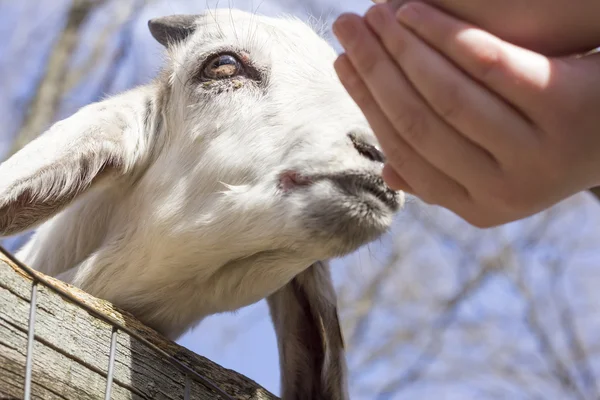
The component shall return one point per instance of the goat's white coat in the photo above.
(186, 218)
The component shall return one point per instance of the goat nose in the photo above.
(365, 149)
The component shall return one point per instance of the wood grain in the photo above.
(71, 350)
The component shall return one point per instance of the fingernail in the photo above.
(343, 69)
(376, 15)
(340, 64)
(408, 13)
(344, 28)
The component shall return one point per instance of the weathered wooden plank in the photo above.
(71, 351)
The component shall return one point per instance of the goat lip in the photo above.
(369, 183)
(352, 183)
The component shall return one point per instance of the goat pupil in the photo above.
(224, 66)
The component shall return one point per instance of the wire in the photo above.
(39, 278)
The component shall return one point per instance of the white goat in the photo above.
(226, 180)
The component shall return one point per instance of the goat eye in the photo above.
(222, 67)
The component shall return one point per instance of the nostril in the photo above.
(366, 150)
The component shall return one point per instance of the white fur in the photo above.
(187, 219)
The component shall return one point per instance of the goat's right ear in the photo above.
(173, 28)
(51, 171)
(309, 336)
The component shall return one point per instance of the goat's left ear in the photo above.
(100, 142)
(173, 28)
(309, 336)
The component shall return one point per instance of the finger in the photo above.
(394, 180)
(412, 119)
(425, 180)
(463, 103)
(517, 74)
(395, 4)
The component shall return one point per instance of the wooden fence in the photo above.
(58, 342)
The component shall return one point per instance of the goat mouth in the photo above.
(353, 184)
(359, 183)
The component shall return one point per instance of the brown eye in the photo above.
(222, 67)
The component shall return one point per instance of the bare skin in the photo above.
(556, 27)
(492, 131)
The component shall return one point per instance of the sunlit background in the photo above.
(436, 309)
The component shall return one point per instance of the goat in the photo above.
(231, 177)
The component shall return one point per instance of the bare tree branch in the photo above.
(123, 48)
(367, 299)
(580, 355)
(534, 321)
(48, 94)
(99, 49)
(428, 354)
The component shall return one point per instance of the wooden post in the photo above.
(73, 347)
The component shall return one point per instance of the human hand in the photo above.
(491, 131)
(550, 27)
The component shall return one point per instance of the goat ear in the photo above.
(51, 171)
(173, 28)
(311, 346)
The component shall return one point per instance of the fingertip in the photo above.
(339, 65)
(378, 15)
(345, 27)
(394, 180)
(345, 70)
(346, 17)
(342, 64)
(408, 13)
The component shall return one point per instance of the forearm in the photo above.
(551, 27)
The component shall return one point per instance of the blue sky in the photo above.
(435, 247)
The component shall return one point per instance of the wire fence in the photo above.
(38, 279)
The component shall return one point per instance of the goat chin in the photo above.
(230, 178)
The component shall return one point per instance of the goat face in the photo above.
(221, 183)
(273, 153)
(242, 164)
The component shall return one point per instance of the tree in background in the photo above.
(435, 309)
